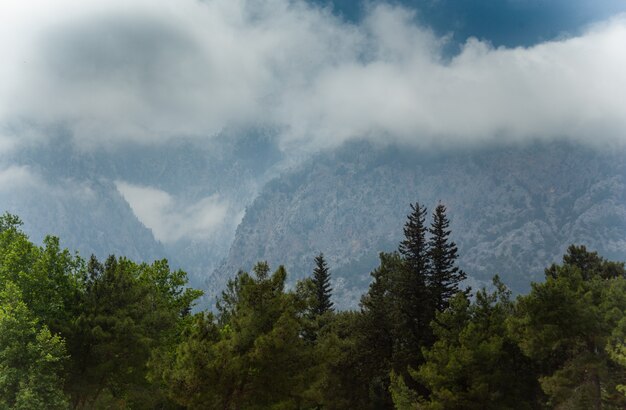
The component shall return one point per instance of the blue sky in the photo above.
(507, 23)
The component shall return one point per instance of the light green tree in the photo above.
(31, 358)
(617, 351)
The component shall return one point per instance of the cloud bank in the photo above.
(149, 71)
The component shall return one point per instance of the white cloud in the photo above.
(18, 182)
(171, 220)
(152, 70)
(16, 177)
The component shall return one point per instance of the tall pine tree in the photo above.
(409, 290)
(414, 248)
(379, 327)
(443, 274)
(323, 291)
(411, 308)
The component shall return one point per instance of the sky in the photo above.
(149, 71)
(315, 74)
(508, 23)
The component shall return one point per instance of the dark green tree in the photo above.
(377, 331)
(112, 343)
(565, 325)
(409, 286)
(129, 312)
(414, 247)
(253, 358)
(443, 275)
(589, 263)
(411, 310)
(474, 363)
(323, 291)
(340, 379)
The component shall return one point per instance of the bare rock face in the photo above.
(514, 210)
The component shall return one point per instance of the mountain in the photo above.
(513, 210)
(88, 215)
(73, 192)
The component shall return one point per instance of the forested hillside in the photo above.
(85, 334)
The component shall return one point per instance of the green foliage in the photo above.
(10, 222)
(129, 313)
(257, 339)
(340, 379)
(49, 278)
(114, 333)
(474, 364)
(616, 348)
(193, 364)
(408, 286)
(565, 325)
(402, 396)
(121, 334)
(414, 247)
(590, 264)
(110, 319)
(315, 292)
(443, 276)
(323, 291)
(31, 358)
(378, 329)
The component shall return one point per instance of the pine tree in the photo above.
(411, 310)
(377, 330)
(116, 333)
(443, 275)
(321, 280)
(475, 363)
(566, 324)
(409, 290)
(414, 248)
(256, 359)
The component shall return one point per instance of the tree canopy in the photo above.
(117, 334)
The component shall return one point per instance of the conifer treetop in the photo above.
(323, 290)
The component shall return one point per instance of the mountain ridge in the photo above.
(514, 209)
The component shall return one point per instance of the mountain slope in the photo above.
(61, 189)
(514, 210)
(88, 216)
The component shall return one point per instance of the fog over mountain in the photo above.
(158, 124)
